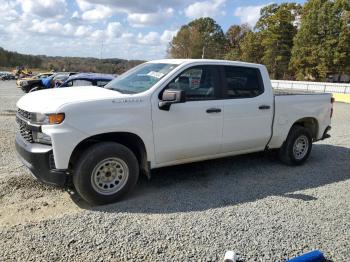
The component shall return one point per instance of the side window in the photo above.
(101, 83)
(242, 82)
(79, 82)
(197, 82)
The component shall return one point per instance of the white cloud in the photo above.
(56, 29)
(98, 13)
(84, 5)
(48, 28)
(132, 6)
(98, 34)
(52, 27)
(44, 8)
(75, 15)
(83, 31)
(167, 36)
(203, 9)
(249, 14)
(8, 12)
(149, 19)
(114, 30)
(127, 36)
(152, 38)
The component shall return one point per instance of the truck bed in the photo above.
(292, 105)
(283, 92)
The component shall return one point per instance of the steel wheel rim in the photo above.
(109, 176)
(300, 147)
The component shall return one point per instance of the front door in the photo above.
(192, 129)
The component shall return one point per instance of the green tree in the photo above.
(251, 48)
(277, 27)
(181, 44)
(201, 37)
(341, 57)
(234, 36)
(322, 44)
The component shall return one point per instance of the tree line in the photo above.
(10, 59)
(309, 42)
(13, 59)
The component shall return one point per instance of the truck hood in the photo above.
(49, 101)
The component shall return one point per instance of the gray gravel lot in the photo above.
(252, 204)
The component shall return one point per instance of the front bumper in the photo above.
(38, 158)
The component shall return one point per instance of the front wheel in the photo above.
(297, 147)
(105, 172)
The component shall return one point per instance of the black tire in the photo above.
(287, 154)
(83, 175)
(25, 89)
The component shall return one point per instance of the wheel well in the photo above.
(310, 123)
(130, 140)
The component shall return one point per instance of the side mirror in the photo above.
(171, 96)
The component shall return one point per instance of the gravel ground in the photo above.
(253, 204)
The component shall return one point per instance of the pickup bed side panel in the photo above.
(291, 108)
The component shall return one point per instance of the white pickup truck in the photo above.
(163, 113)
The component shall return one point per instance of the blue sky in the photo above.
(129, 29)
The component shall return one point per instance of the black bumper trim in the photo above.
(36, 157)
(325, 133)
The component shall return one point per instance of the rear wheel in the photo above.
(26, 89)
(297, 147)
(105, 172)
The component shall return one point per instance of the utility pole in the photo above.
(101, 48)
(206, 40)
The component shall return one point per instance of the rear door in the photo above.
(192, 129)
(248, 109)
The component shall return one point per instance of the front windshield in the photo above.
(140, 78)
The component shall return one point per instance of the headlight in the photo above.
(40, 118)
(42, 138)
(48, 119)
(23, 83)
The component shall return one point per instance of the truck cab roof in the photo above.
(204, 61)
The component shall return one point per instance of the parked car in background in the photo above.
(88, 79)
(54, 80)
(28, 83)
(7, 76)
(163, 113)
(21, 72)
(59, 79)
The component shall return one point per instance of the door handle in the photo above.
(213, 110)
(264, 107)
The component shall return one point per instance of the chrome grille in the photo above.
(25, 114)
(26, 133)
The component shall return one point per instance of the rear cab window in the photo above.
(242, 82)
